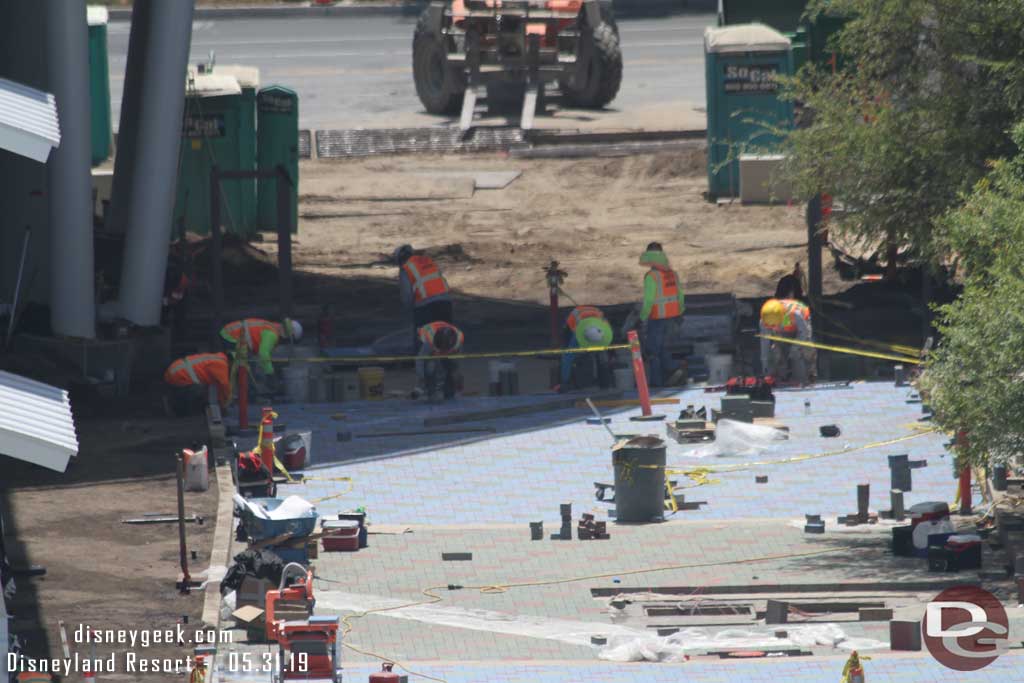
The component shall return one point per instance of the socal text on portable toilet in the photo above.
(746, 114)
(278, 145)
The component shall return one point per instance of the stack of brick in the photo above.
(589, 529)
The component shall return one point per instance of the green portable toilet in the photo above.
(218, 130)
(745, 111)
(278, 136)
(248, 78)
(99, 84)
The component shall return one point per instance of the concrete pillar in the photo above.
(69, 200)
(128, 128)
(156, 161)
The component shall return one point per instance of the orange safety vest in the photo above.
(791, 309)
(425, 277)
(250, 329)
(582, 313)
(203, 369)
(666, 299)
(428, 331)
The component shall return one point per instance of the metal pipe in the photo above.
(70, 210)
(284, 241)
(186, 579)
(17, 285)
(116, 219)
(156, 162)
(216, 266)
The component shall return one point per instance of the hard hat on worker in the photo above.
(772, 313)
(402, 254)
(293, 329)
(591, 332)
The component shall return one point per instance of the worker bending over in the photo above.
(423, 289)
(261, 337)
(662, 312)
(436, 373)
(787, 362)
(189, 379)
(586, 327)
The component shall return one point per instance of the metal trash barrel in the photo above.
(639, 464)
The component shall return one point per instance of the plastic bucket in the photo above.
(639, 479)
(624, 379)
(296, 382)
(719, 367)
(371, 384)
(197, 470)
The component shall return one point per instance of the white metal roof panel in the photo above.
(745, 38)
(36, 424)
(28, 121)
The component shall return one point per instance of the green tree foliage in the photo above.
(975, 379)
(926, 97)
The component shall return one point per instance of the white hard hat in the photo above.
(593, 335)
(294, 329)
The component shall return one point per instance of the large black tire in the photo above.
(439, 86)
(599, 76)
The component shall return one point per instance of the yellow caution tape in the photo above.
(700, 477)
(842, 349)
(896, 348)
(453, 356)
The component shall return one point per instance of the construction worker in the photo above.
(423, 289)
(662, 312)
(586, 327)
(189, 379)
(437, 375)
(261, 337)
(787, 362)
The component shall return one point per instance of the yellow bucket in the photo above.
(371, 384)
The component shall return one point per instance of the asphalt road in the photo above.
(355, 72)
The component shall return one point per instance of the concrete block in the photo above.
(874, 614)
(776, 612)
(760, 179)
(456, 557)
(905, 636)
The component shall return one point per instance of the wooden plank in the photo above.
(476, 416)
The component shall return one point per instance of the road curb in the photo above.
(412, 9)
(220, 555)
(275, 11)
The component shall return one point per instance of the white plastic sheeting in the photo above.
(675, 647)
(734, 438)
(625, 644)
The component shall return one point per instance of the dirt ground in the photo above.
(99, 571)
(594, 216)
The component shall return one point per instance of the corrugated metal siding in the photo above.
(36, 423)
(29, 110)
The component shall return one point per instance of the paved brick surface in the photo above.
(880, 669)
(532, 463)
(475, 493)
